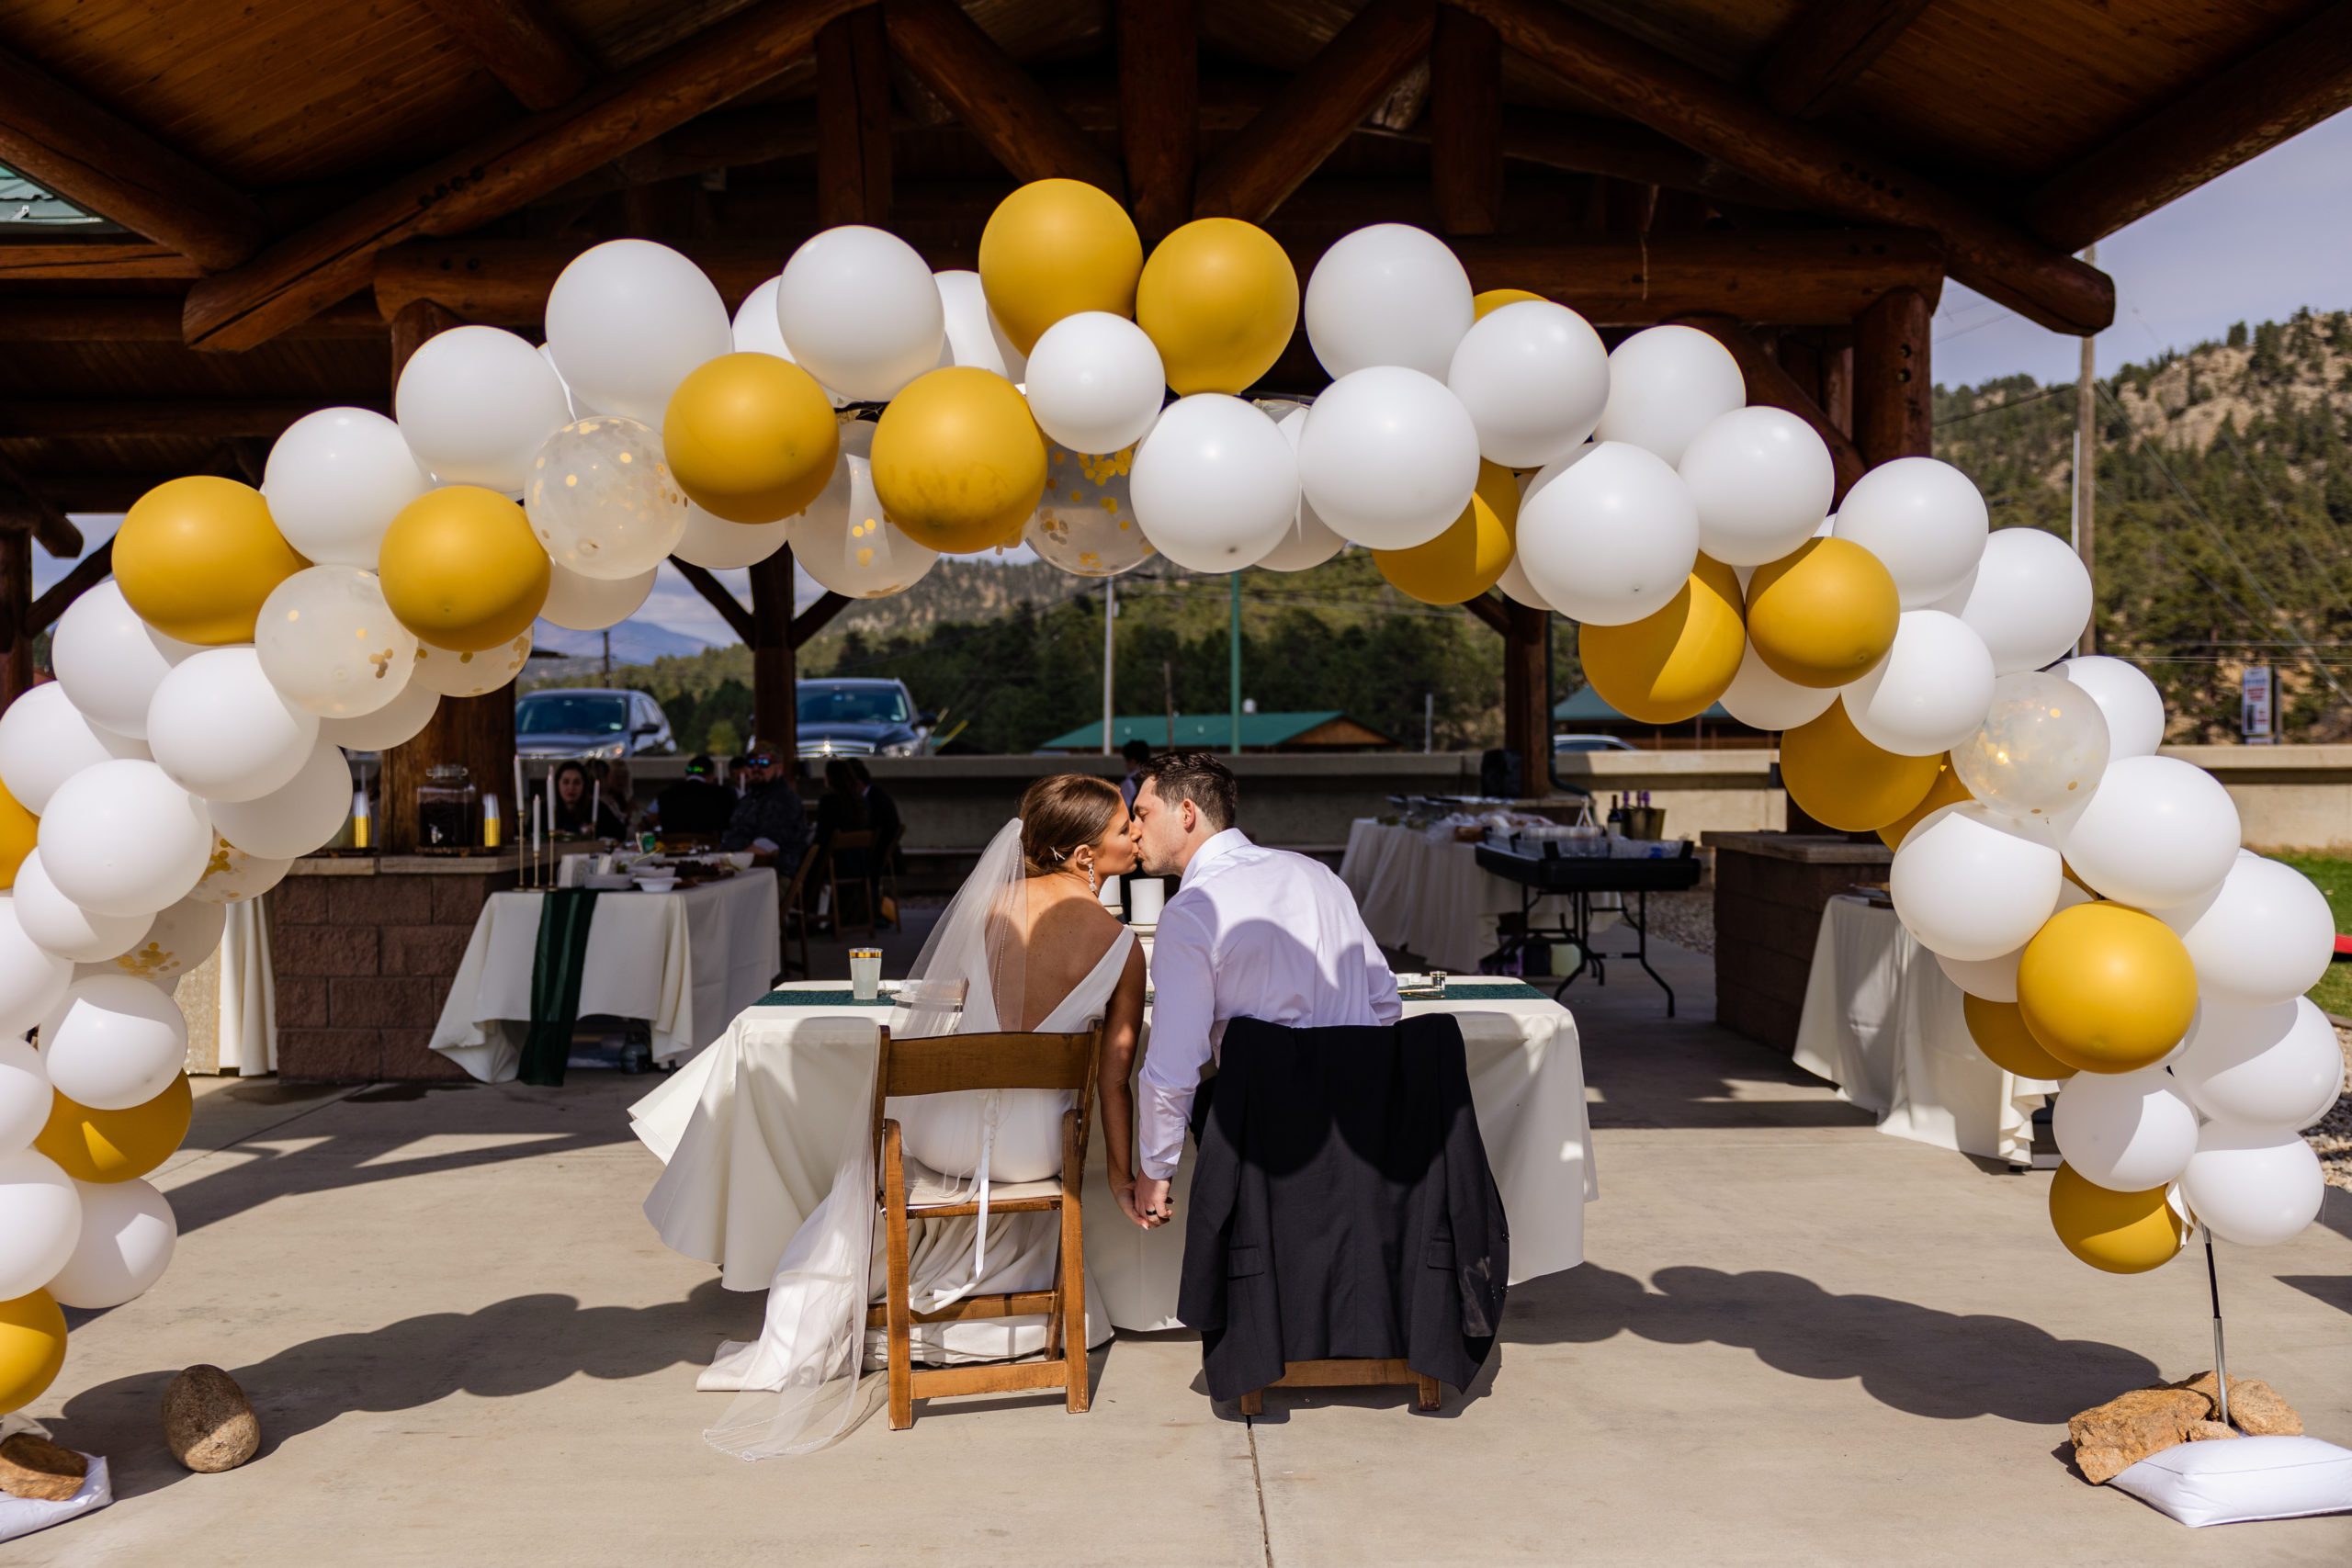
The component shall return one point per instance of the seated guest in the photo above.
(859, 804)
(1138, 757)
(881, 811)
(577, 812)
(842, 808)
(769, 821)
(619, 791)
(696, 807)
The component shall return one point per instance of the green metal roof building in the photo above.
(1329, 730)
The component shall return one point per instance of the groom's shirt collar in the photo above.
(1218, 847)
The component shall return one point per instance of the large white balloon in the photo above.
(1924, 520)
(844, 541)
(1931, 691)
(402, 719)
(113, 1042)
(62, 927)
(128, 1233)
(296, 820)
(219, 728)
(1095, 383)
(181, 938)
(2041, 750)
(1309, 541)
(1390, 294)
(2255, 1186)
(476, 403)
(2029, 598)
(1388, 457)
(758, 331)
(1214, 484)
(233, 876)
(26, 1098)
(2158, 832)
(2134, 708)
(44, 741)
(2125, 1131)
(592, 603)
(108, 661)
(1514, 586)
(122, 839)
(1996, 979)
(2266, 1064)
(336, 480)
(1972, 884)
(1608, 534)
(464, 673)
(860, 311)
(1534, 376)
(331, 645)
(1761, 479)
(1665, 384)
(974, 337)
(713, 542)
(1760, 696)
(31, 977)
(2266, 935)
(40, 1219)
(627, 320)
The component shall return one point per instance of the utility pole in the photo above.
(2086, 471)
(1110, 612)
(1233, 661)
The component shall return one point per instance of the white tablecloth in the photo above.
(748, 1131)
(686, 961)
(1883, 1024)
(1423, 890)
(248, 991)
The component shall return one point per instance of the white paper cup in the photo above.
(865, 973)
(1145, 900)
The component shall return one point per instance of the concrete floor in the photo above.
(1795, 1341)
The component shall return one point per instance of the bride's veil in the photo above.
(970, 977)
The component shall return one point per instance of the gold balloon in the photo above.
(1471, 556)
(1493, 300)
(461, 570)
(32, 1348)
(1842, 779)
(1946, 791)
(958, 464)
(1052, 249)
(195, 556)
(1671, 665)
(2105, 988)
(20, 829)
(1219, 300)
(751, 437)
(2000, 1031)
(1824, 615)
(117, 1146)
(2123, 1233)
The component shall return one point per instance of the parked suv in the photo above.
(861, 718)
(576, 721)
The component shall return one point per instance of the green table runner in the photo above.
(556, 969)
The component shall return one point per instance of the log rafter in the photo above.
(730, 609)
(1158, 110)
(995, 96)
(55, 531)
(1771, 384)
(523, 44)
(1826, 46)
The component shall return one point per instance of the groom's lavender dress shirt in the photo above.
(1252, 932)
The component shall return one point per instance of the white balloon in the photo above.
(1761, 480)
(2158, 832)
(2029, 598)
(31, 977)
(113, 1042)
(1095, 383)
(627, 320)
(2266, 935)
(1972, 884)
(61, 926)
(475, 404)
(128, 1233)
(713, 542)
(2266, 1064)
(592, 603)
(2125, 1131)
(334, 481)
(1665, 384)
(233, 876)
(602, 500)
(1388, 457)
(1309, 541)
(40, 1219)
(2040, 752)
(1608, 534)
(181, 938)
(974, 337)
(123, 839)
(25, 1095)
(757, 332)
(44, 741)
(296, 820)
(844, 540)
(1214, 484)
(1760, 696)
(577, 404)
(1924, 520)
(1515, 587)
(859, 310)
(1931, 691)
(402, 719)
(2134, 708)
(331, 645)
(1390, 293)
(219, 728)
(2254, 1186)
(1996, 979)
(108, 661)
(1534, 376)
(469, 674)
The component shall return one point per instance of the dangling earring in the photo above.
(1091, 886)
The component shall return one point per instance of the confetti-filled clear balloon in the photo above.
(456, 675)
(2041, 750)
(329, 643)
(602, 500)
(844, 541)
(231, 875)
(1086, 524)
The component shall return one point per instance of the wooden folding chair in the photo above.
(861, 839)
(792, 917)
(1350, 1371)
(946, 1064)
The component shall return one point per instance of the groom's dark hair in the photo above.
(1198, 777)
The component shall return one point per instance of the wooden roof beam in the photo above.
(55, 531)
(854, 121)
(1158, 110)
(1466, 123)
(522, 44)
(210, 419)
(996, 98)
(1771, 384)
(152, 318)
(1322, 105)
(91, 261)
(815, 618)
(730, 609)
(301, 275)
(1825, 47)
(1734, 128)
(1490, 608)
(87, 574)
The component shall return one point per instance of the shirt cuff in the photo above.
(765, 846)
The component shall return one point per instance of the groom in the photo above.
(1251, 933)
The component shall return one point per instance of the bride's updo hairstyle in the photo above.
(1063, 814)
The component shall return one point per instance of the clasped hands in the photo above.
(1146, 1201)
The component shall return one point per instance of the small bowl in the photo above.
(655, 883)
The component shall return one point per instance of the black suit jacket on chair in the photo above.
(1342, 1205)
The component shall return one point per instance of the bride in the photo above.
(1026, 946)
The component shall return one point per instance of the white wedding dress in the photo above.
(802, 1384)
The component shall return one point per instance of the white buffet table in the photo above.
(1422, 891)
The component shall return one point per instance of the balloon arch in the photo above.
(2089, 895)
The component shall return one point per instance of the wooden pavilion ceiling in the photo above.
(293, 175)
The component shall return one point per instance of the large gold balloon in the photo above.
(2123, 1233)
(20, 829)
(1471, 556)
(751, 437)
(2105, 988)
(1219, 300)
(32, 1348)
(1672, 664)
(1052, 249)
(117, 1146)
(197, 556)
(461, 570)
(1493, 300)
(958, 464)
(2000, 1031)
(1824, 615)
(1842, 779)
(1946, 791)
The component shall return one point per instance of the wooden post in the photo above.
(1467, 122)
(1893, 387)
(775, 701)
(1526, 693)
(16, 614)
(854, 121)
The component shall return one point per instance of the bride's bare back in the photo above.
(1043, 945)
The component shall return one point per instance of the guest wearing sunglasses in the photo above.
(769, 821)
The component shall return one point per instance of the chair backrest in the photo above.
(855, 839)
(949, 1063)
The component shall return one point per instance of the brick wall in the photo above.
(363, 964)
(1768, 914)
